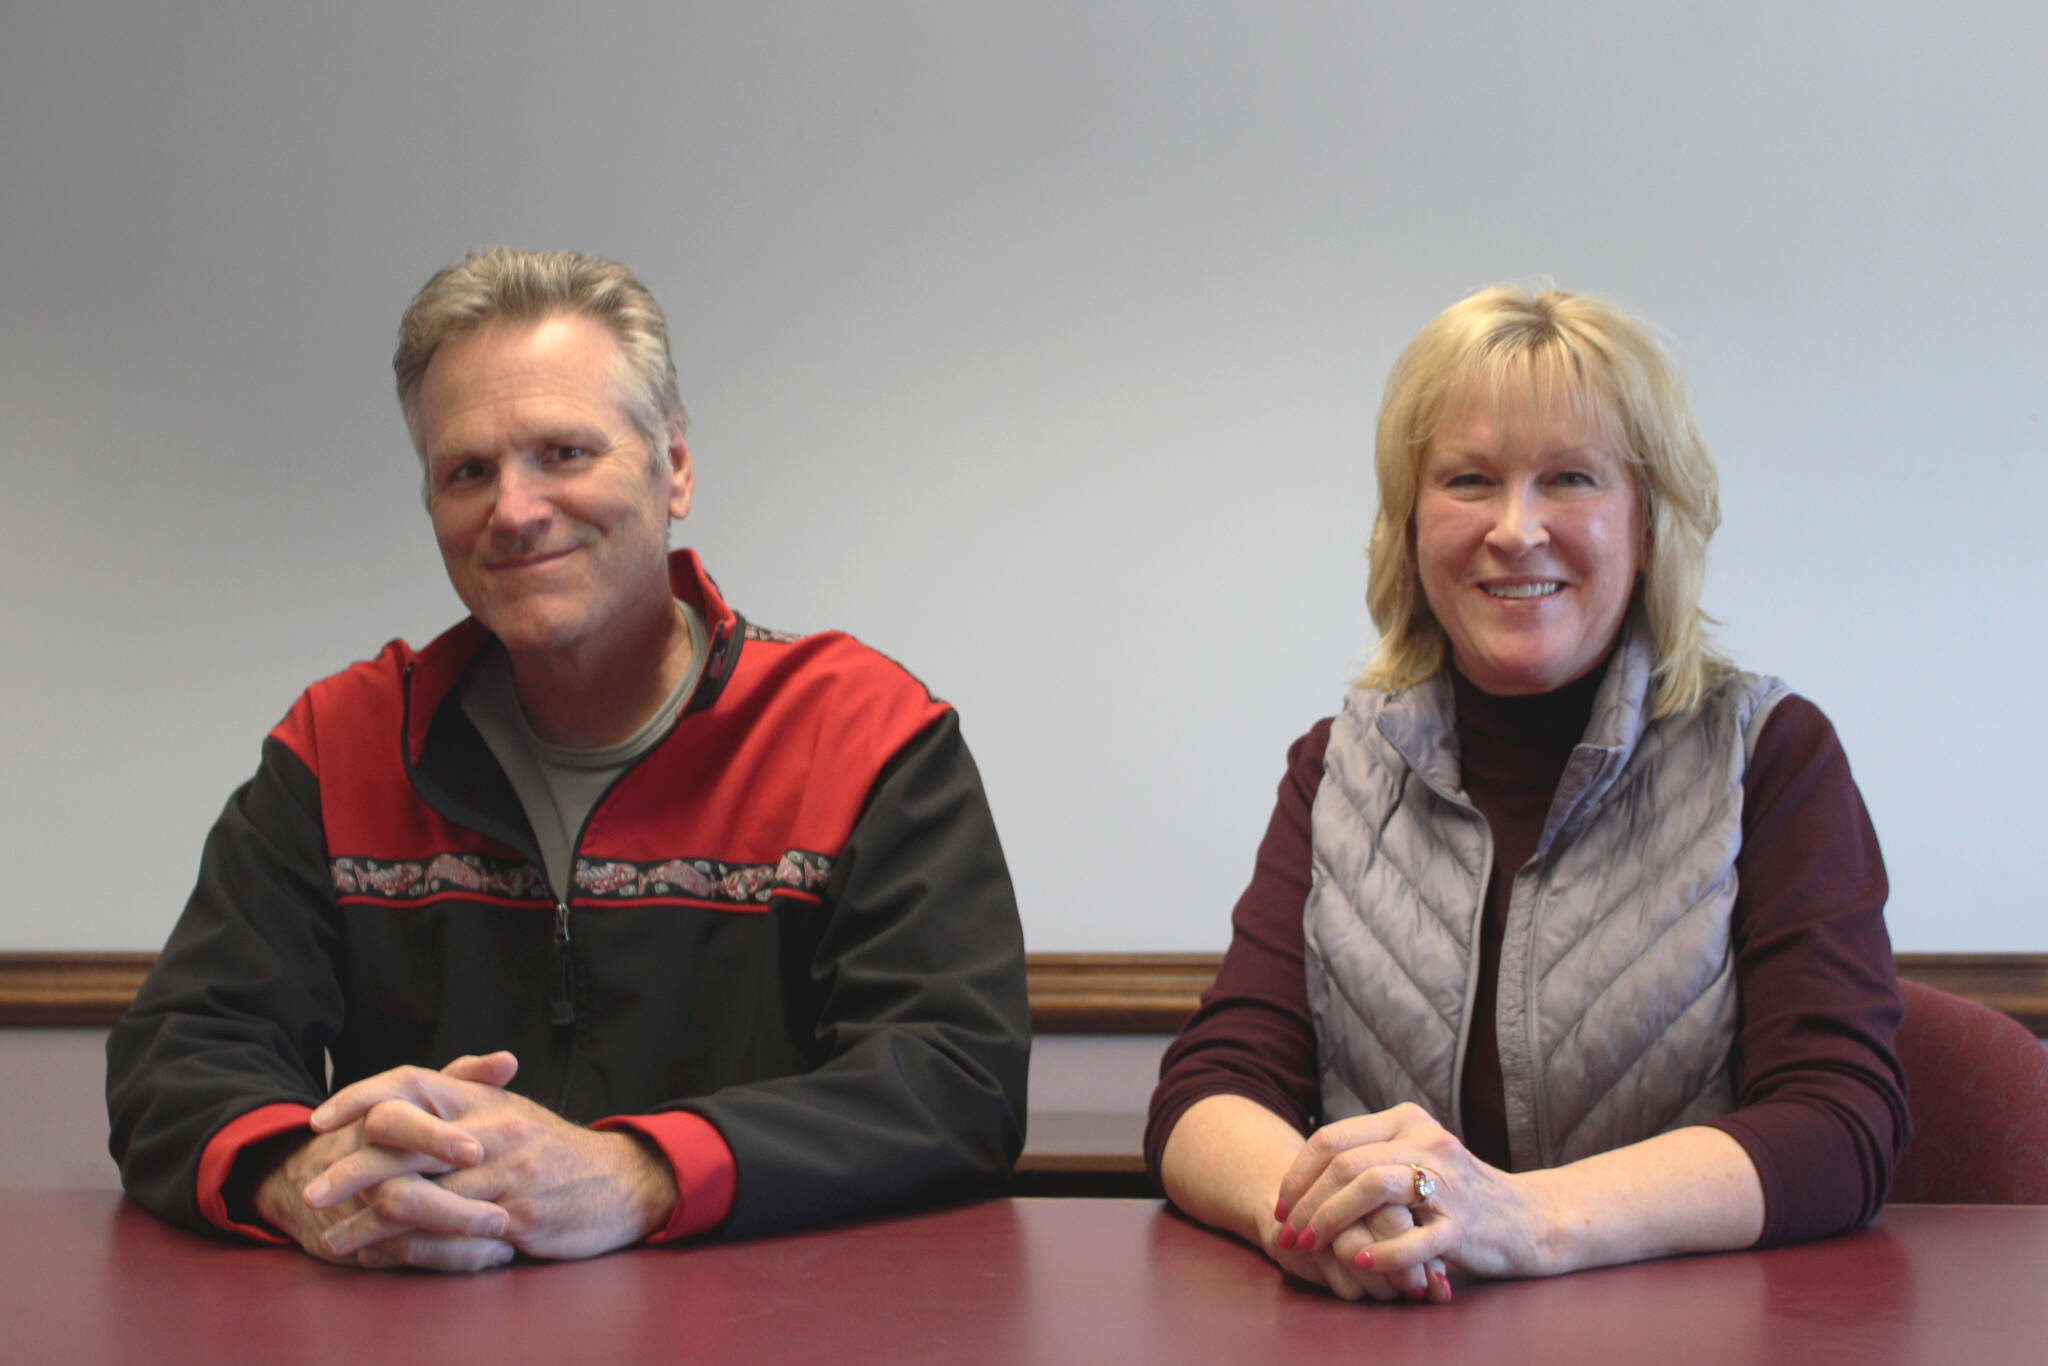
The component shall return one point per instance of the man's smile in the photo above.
(533, 560)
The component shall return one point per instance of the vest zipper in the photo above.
(1464, 1044)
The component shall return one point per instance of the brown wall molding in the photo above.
(74, 989)
(1071, 993)
(2016, 983)
(1116, 993)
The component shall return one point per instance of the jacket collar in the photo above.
(433, 673)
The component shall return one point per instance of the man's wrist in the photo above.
(238, 1157)
(698, 1162)
(261, 1182)
(651, 1187)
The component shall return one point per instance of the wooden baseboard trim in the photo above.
(71, 990)
(1071, 993)
(1154, 993)
(1116, 993)
(2016, 983)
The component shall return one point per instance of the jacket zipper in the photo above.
(564, 1012)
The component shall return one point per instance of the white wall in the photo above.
(1039, 343)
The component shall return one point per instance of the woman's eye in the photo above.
(1578, 479)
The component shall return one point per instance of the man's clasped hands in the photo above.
(450, 1171)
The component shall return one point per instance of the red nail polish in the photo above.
(1307, 1239)
(1286, 1238)
(1364, 1259)
(1280, 1211)
(1443, 1283)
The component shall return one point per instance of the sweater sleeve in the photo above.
(1252, 1035)
(1822, 1110)
(925, 1033)
(224, 1045)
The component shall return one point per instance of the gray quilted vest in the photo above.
(1617, 1003)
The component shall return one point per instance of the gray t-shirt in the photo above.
(559, 786)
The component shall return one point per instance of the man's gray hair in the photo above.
(502, 284)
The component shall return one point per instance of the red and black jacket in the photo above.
(791, 936)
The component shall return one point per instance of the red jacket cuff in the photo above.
(226, 1147)
(705, 1176)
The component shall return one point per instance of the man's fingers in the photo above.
(429, 1090)
(488, 1069)
(362, 1169)
(399, 1124)
(432, 1253)
(439, 1093)
(409, 1204)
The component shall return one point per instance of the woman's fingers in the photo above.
(1415, 1250)
(1356, 1196)
(1338, 1154)
(1357, 1191)
(1328, 1143)
(1409, 1282)
(1342, 1280)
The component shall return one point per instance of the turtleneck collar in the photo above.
(1513, 737)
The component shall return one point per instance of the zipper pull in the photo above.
(565, 1006)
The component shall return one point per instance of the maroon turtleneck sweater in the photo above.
(1821, 1100)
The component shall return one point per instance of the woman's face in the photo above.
(1528, 537)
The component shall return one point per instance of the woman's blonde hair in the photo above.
(1611, 373)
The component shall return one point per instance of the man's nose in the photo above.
(1518, 524)
(519, 502)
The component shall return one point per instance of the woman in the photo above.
(1565, 946)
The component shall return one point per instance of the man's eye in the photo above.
(466, 472)
(571, 454)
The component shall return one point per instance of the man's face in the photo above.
(551, 513)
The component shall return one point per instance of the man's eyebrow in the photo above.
(571, 435)
(448, 455)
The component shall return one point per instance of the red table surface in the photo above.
(88, 1277)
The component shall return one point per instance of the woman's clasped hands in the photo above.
(1384, 1205)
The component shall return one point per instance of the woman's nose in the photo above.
(1518, 525)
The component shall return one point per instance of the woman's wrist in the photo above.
(1543, 1242)
(1690, 1190)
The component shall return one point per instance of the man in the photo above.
(615, 917)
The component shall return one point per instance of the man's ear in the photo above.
(682, 480)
